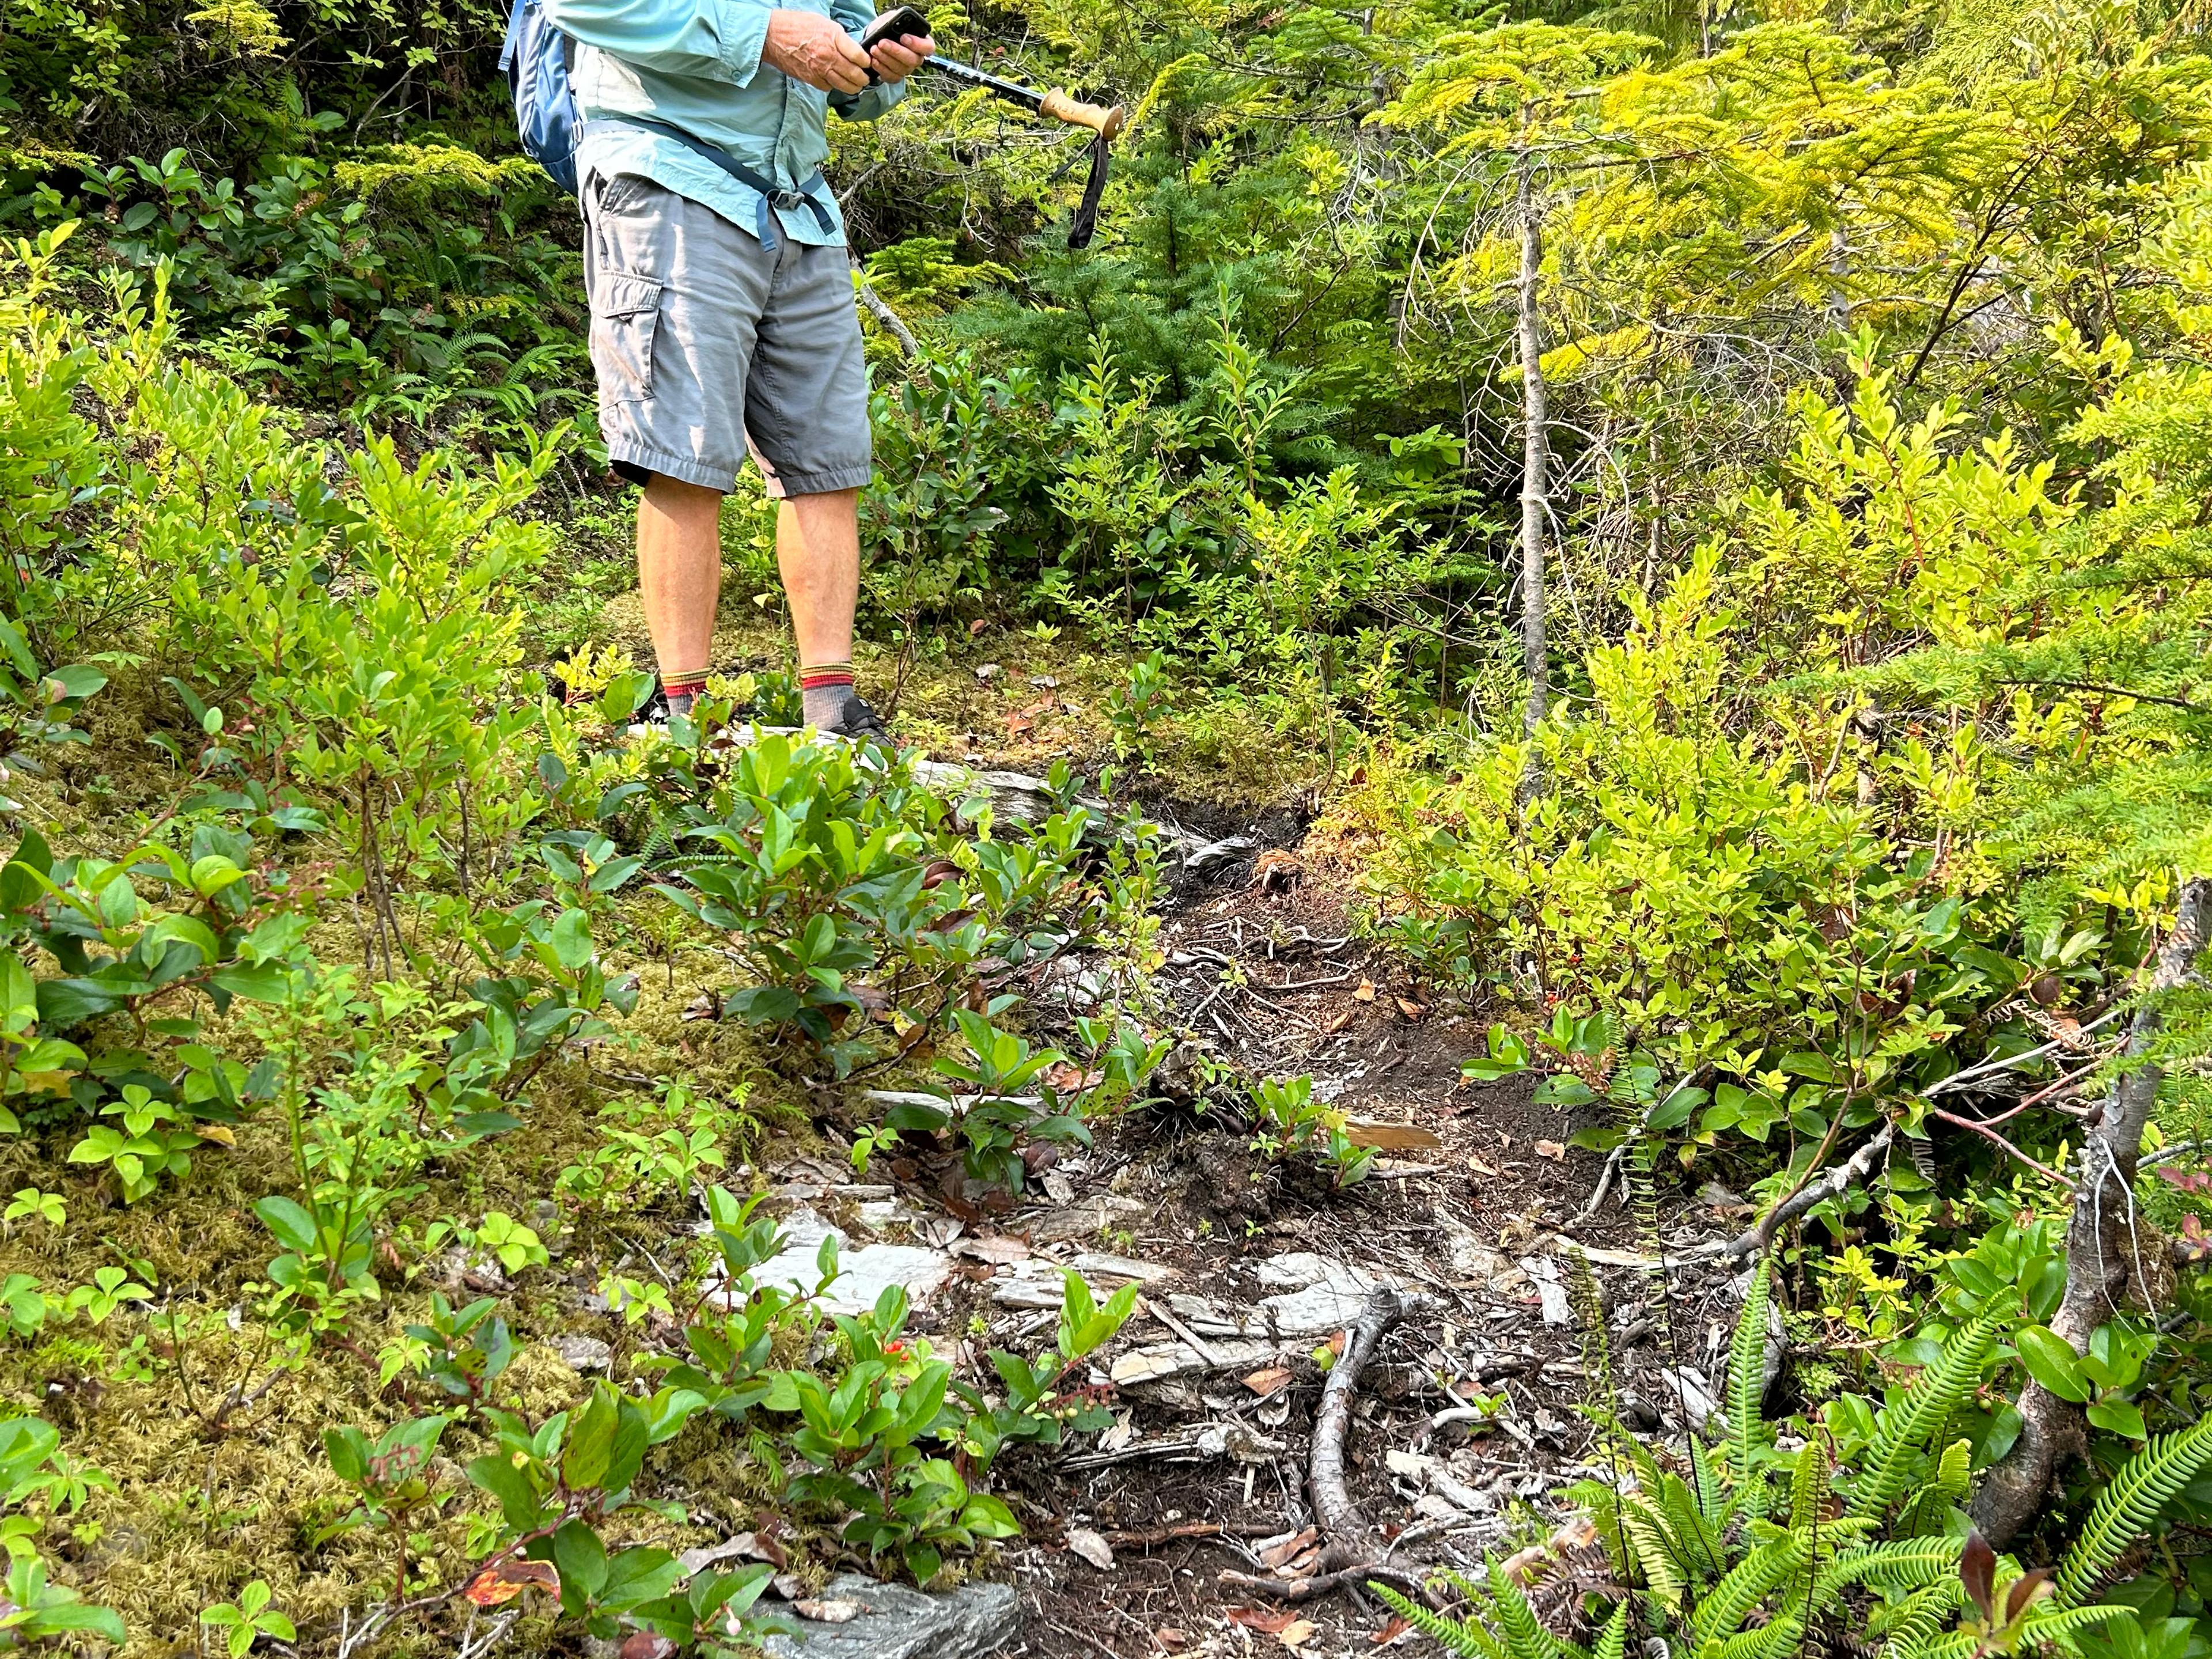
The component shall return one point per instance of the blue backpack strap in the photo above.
(770, 193)
(513, 34)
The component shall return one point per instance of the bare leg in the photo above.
(679, 575)
(817, 552)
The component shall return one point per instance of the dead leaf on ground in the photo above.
(1390, 1632)
(1088, 1546)
(976, 627)
(1001, 1248)
(494, 1586)
(1170, 1639)
(1338, 1022)
(1269, 1381)
(1411, 1009)
(1390, 1137)
(1281, 1554)
(221, 1133)
(1365, 993)
(1272, 1620)
(1296, 1634)
(1551, 1149)
(648, 1644)
(1480, 1167)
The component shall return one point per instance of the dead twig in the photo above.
(2011, 1150)
(1198, 1343)
(1306, 1590)
(2013, 1062)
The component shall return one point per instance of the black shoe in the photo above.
(861, 723)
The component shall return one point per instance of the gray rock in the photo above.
(863, 1274)
(896, 1622)
(583, 1353)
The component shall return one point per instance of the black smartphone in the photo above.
(899, 22)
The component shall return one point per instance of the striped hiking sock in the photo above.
(682, 690)
(822, 689)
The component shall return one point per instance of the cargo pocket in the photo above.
(625, 316)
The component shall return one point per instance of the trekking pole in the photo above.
(1104, 120)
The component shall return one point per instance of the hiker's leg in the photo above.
(817, 552)
(679, 576)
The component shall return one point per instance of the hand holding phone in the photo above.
(895, 42)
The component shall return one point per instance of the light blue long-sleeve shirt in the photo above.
(696, 65)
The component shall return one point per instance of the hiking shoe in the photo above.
(653, 713)
(861, 723)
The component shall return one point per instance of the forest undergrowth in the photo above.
(1700, 509)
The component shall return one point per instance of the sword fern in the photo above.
(2128, 1505)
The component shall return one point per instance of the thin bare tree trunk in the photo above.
(1536, 446)
(1839, 273)
(2104, 1255)
(893, 324)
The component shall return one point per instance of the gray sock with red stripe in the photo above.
(822, 689)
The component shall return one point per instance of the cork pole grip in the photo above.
(1100, 119)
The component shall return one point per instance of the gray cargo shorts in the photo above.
(707, 345)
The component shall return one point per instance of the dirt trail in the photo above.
(1248, 1267)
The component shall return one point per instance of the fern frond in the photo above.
(1921, 1416)
(1466, 1637)
(1747, 1389)
(1808, 1488)
(1525, 1635)
(1695, 1527)
(1747, 1583)
(1894, 1564)
(1705, 1485)
(1654, 1551)
(1918, 1620)
(2063, 1622)
(1927, 1509)
(1613, 1641)
(2128, 1504)
(1768, 1641)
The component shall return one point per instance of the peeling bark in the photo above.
(2102, 1250)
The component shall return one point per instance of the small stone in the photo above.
(826, 1611)
(989, 671)
(583, 1353)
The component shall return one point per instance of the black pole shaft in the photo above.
(1013, 92)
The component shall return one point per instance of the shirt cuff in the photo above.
(741, 27)
(867, 106)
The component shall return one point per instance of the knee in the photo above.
(678, 499)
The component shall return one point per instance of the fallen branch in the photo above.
(1839, 1179)
(1307, 1589)
(1338, 1517)
(1151, 1538)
